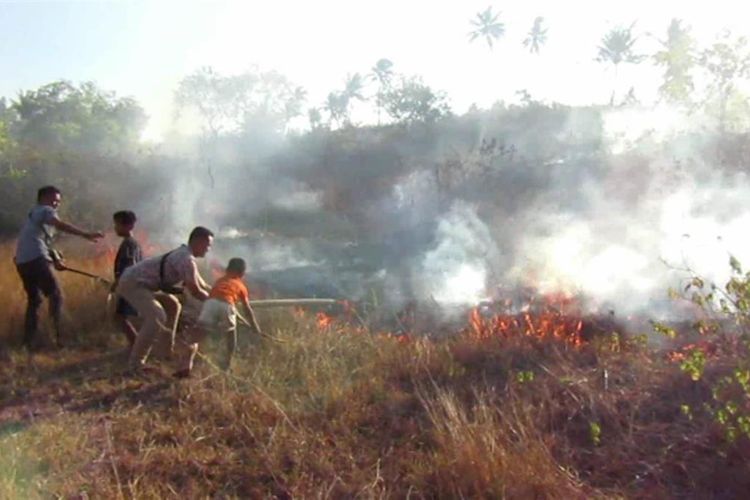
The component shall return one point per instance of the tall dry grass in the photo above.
(340, 413)
(85, 299)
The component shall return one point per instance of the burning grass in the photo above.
(495, 411)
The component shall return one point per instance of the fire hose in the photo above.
(261, 303)
(87, 274)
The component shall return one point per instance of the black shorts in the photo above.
(124, 308)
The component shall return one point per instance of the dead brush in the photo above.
(492, 449)
(335, 411)
(85, 299)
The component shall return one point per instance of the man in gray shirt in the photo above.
(34, 259)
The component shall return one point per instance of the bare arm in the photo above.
(195, 284)
(196, 291)
(70, 228)
(251, 316)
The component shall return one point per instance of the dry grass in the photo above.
(85, 299)
(334, 413)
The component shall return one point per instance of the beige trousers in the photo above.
(155, 323)
(216, 318)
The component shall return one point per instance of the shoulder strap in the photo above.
(162, 263)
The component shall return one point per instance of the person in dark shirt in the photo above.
(128, 254)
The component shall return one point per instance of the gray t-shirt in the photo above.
(36, 234)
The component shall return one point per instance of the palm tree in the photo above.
(617, 48)
(337, 104)
(382, 73)
(292, 104)
(353, 87)
(487, 25)
(353, 90)
(537, 36)
(315, 118)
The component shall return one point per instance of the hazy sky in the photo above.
(143, 48)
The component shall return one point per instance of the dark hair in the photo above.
(236, 265)
(125, 217)
(46, 191)
(199, 232)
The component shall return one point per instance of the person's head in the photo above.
(49, 195)
(236, 267)
(124, 221)
(200, 241)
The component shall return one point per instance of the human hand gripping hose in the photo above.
(246, 323)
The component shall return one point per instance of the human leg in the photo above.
(153, 320)
(165, 344)
(187, 349)
(38, 278)
(33, 301)
(230, 338)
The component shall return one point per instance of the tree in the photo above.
(411, 101)
(6, 117)
(677, 57)
(62, 115)
(617, 48)
(727, 62)
(353, 91)
(336, 105)
(536, 37)
(293, 104)
(382, 73)
(220, 101)
(487, 25)
(228, 104)
(315, 118)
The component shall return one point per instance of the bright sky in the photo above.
(143, 48)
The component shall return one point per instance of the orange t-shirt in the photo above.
(229, 290)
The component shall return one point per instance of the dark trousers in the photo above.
(38, 278)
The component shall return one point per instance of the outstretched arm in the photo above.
(70, 228)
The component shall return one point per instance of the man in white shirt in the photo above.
(164, 273)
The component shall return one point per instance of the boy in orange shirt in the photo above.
(219, 314)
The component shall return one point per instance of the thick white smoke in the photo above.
(456, 270)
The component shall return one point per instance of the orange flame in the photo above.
(323, 320)
(549, 322)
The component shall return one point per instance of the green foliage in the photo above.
(524, 376)
(63, 116)
(663, 329)
(730, 399)
(382, 73)
(617, 46)
(729, 406)
(240, 102)
(694, 364)
(677, 57)
(727, 62)
(595, 433)
(412, 101)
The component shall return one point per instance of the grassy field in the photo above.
(336, 412)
